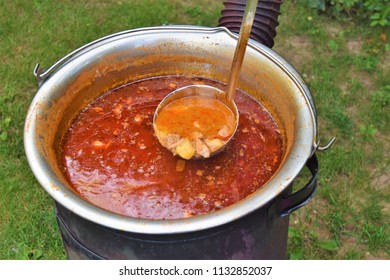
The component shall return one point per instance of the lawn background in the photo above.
(344, 61)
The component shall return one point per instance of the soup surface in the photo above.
(112, 158)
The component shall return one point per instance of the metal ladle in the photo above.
(212, 92)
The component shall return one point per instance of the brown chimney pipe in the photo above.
(264, 25)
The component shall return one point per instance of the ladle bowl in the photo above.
(204, 91)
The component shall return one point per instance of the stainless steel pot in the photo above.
(80, 77)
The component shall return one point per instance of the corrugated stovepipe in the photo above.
(264, 25)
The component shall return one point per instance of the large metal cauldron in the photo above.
(254, 228)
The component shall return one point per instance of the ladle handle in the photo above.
(245, 30)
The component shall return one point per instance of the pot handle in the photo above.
(294, 201)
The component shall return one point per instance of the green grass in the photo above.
(346, 66)
(345, 63)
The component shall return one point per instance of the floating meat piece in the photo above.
(171, 141)
(98, 109)
(201, 148)
(180, 165)
(224, 132)
(138, 119)
(118, 110)
(196, 135)
(172, 85)
(100, 145)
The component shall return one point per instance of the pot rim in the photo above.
(61, 194)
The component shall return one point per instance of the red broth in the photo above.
(112, 158)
